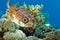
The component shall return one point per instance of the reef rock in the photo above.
(17, 35)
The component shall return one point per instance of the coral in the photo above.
(51, 36)
(32, 38)
(58, 35)
(17, 35)
(34, 10)
(7, 25)
(41, 29)
(8, 30)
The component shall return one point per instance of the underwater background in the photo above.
(52, 7)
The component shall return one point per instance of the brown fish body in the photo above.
(18, 15)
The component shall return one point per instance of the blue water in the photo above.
(52, 7)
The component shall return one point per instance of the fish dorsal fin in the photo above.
(12, 9)
(15, 5)
(8, 4)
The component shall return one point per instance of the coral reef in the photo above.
(17, 35)
(26, 23)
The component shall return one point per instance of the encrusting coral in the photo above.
(17, 35)
(26, 23)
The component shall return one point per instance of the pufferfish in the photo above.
(19, 16)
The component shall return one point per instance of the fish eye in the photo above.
(24, 19)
